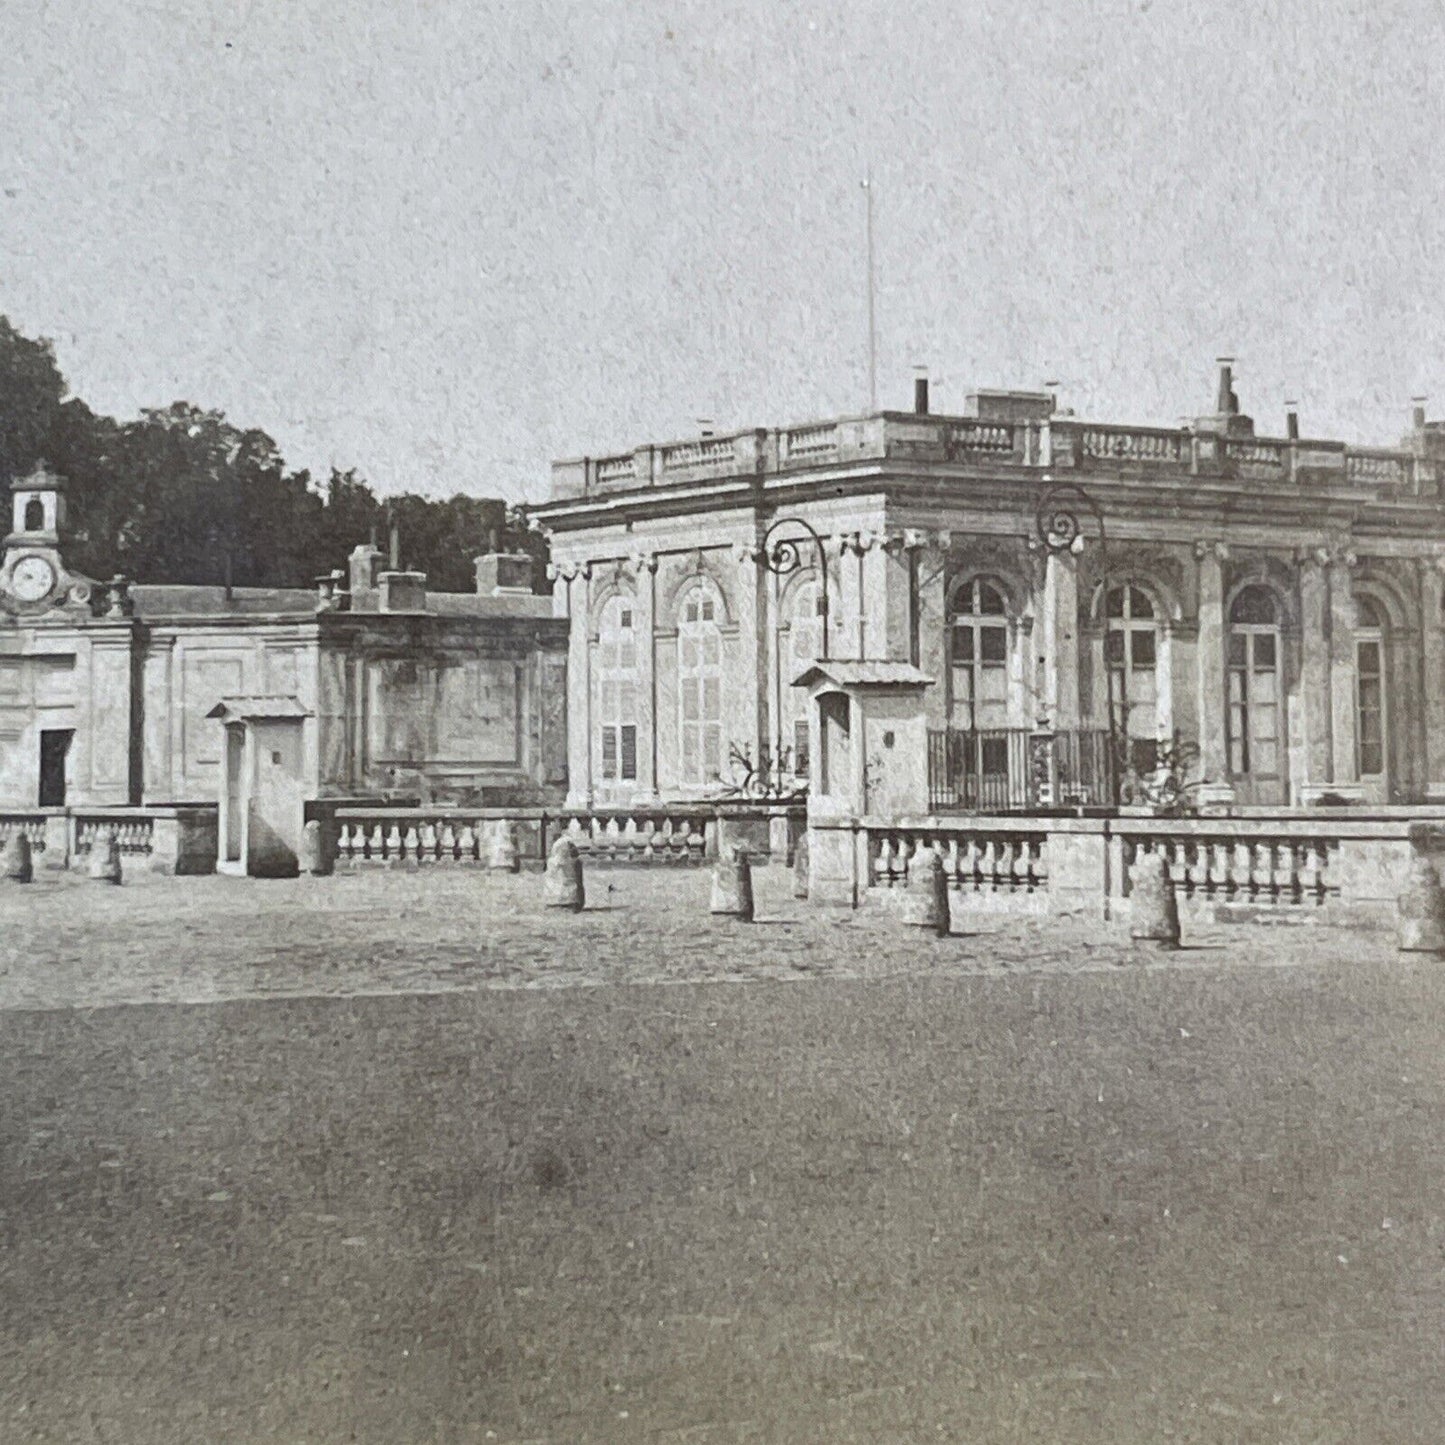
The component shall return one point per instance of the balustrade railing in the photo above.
(709, 452)
(809, 443)
(681, 834)
(614, 471)
(1133, 444)
(1254, 458)
(974, 861)
(1229, 866)
(986, 438)
(29, 823)
(135, 836)
(1377, 467)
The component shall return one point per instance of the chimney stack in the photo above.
(403, 592)
(920, 391)
(1291, 420)
(365, 569)
(1228, 403)
(1417, 414)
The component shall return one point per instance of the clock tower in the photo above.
(33, 578)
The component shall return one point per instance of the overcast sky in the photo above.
(446, 242)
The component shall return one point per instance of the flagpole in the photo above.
(872, 308)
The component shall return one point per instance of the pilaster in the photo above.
(1213, 696)
(1316, 720)
(1061, 639)
(643, 566)
(576, 577)
(1342, 668)
(1431, 577)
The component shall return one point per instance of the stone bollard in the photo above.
(104, 858)
(15, 865)
(502, 854)
(732, 886)
(1422, 909)
(1154, 910)
(800, 867)
(315, 856)
(562, 885)
(924, 900)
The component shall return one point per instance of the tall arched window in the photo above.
(978, 656)
(1131, 650)
(34, 515)
(699, 676)
(801, 644)
(1254, 691)
(1371, 720)
(616, 722)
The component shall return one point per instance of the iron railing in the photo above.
(1015, 770)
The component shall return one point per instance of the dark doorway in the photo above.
(53, 747)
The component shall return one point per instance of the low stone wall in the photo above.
(179, 839)
(1332, 869)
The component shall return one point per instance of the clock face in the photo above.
(31, 578)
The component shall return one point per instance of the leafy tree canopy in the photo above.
(182, 495)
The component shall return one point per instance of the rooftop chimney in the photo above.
(403, 592)
(920, 391)
(1228, 403)
(1291, 420)
(504, 574)
(1417, 414)
(365, 568)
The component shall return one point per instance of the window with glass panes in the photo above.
(1370, 689)
(1131, 649)
(978, 656)
(801, 644)
(699, 676)
(1253, 684)
(617, 692)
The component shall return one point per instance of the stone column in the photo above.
(932, 584)
(579, 684)
(1061, 640)
(1213, 696)
(1432, 667)
(1342, 668)
(644, 571)
(752, 608)
(1316, 722)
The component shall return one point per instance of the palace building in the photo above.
(367, 686)
(1081, 606)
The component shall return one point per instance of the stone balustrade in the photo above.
(1339, 867)
(178, 839)
(974, 860)
(676, 834)
(1056, 442)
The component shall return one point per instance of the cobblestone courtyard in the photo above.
(371, 1163)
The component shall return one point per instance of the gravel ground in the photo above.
(1021, 1185)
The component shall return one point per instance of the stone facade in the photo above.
(1275, 602)
(108, 691)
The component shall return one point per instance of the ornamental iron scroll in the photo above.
(784, 556)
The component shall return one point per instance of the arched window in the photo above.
(978, 656)
(1371, 721)
(35, 515)
(1131, 651)
(699, 676)
(616, 722)
(801, 644)
(1254, 691)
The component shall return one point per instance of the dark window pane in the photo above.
(1114, 649)
(994, 755)
(1254, 604)
(1114, 603)
(626, 622)
(1237, 646)
(1264, 652)
(800, 748)
(1369, 659)
(629, 752)
(609, 752)
(963, 644)
(993, 644)
(1141, 648)
(990, 600)
(1139, 603)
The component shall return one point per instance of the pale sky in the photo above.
(446, 242)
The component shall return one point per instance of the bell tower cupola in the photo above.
(37, 509)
